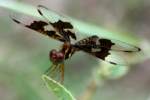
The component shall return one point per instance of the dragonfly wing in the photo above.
(106, 49)
(40, 26)
(123, 46)
(60, 22)
(104, 54)
(111, 44)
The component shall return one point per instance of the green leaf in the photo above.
(59, 90)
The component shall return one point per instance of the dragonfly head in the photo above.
(56, 56)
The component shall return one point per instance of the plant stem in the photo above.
(90, 91)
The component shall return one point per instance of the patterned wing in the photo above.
(59, 22)
(106, 49)
(41, 27)
(56, 29)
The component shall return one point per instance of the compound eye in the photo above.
(53, 51)
(53, 54)
(60, 56)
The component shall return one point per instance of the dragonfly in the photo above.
(62, 30)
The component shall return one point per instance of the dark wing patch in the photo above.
(119, 46)
(105, 49)
(70, 33)
(58, 22)
(39, 26)
(57, 28)
(110, 44)
(62, 25)
(89, 45)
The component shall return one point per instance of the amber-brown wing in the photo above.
(59, 22)
(106, 49)
(56, 72)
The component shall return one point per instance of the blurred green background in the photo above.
(24, 53)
